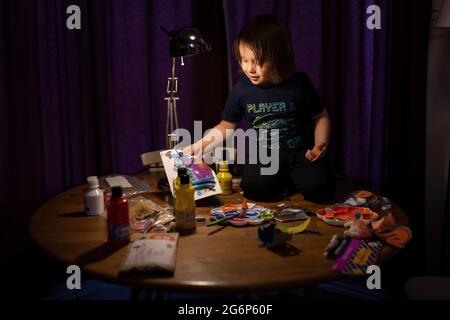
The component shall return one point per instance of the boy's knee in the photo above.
(319, 190)
(324, 195)
(261, 190)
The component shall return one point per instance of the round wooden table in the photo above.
(230, 260)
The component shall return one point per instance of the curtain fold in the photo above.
(355, 91)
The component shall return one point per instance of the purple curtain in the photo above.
(355, 88)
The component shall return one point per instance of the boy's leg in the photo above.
(266, 188)
(312, 179)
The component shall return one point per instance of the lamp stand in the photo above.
(172, 118)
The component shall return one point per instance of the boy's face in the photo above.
(257, 74)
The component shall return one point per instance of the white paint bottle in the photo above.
(93, 198)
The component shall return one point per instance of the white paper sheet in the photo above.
(172, 161)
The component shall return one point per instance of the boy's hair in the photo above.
(270, 41)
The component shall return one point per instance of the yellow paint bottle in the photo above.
(225, 178)
(184, 206)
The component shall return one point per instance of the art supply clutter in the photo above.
(364, 198)
(364, 234)
(368, 224)
(240, 214)
(362, 222)
(145, 214)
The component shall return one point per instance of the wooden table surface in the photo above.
(230, 260)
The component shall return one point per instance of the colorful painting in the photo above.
(202, 177)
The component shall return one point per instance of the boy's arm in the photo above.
(321, 135)
(199, 147)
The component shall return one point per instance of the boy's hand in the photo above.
(189, 149)
(316, 153)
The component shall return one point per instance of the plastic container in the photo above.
(118, 219)
(94, 203)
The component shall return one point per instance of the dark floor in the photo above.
(351, 288)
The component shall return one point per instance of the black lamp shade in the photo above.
(187, 42)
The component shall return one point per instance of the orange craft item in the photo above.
(348, 213)
(339, 215)
(397, 238)
(316, 156)
(363, 195)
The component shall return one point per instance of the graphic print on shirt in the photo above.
(276, 115)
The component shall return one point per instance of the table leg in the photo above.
(159, 295)
(312, 292)
(135, 293)
(285, 295)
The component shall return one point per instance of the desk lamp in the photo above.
(182, 43)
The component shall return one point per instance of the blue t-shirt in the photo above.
(288, 106)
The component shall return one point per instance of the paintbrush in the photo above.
(213, 223)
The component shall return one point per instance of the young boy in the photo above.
(271, 95)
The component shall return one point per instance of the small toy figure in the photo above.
(384, 224)
(243, 209)
(271, 236)
(357, 229)
(384, 229)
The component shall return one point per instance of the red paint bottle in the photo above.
(118, 220)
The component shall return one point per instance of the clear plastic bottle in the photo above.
(94, 203)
